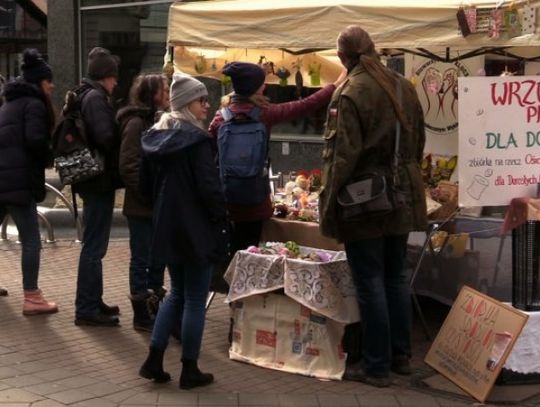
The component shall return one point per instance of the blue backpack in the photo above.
(243, 157)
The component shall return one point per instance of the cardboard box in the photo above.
(276, 332)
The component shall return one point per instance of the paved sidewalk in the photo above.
(48, 361)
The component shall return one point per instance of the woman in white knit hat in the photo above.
(189, 215)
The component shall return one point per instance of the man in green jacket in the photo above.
(359, 139)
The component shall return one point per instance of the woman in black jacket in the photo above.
(26, 121)
(148, 95)
(189, 219)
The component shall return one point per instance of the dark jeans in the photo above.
(142, 273)
(26, 219)
(246, 234)
(382, 285)
(97, 219)
(189, 289)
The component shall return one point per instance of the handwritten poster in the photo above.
(499, 139)
(474, 341)
(436, 83)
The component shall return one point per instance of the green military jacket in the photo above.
(359, 137)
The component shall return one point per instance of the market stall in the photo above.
(435, 45)
(441, 41)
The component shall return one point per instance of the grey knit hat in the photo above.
(102, 64)
(184, 90)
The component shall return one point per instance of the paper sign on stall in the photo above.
(474, 341)
(499, 139)
(275, 332)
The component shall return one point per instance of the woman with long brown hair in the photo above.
(26, 121)
(375, 109)
(149, 94)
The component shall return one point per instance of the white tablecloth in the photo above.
(525, 355)
(326, 288)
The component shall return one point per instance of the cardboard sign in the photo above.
(499, 139)
(474, 341)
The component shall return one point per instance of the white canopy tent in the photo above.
(314, 24)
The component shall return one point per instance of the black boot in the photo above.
(152, 367)
(192, 377)
(110, 310)
(142, 321)
(154, 300)
(3, 292)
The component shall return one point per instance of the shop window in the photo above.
(136, 34)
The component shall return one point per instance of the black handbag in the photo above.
(79, 165)
(373, 193)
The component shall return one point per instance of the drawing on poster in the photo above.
(439, 94)
(440, 91)
(477, 187)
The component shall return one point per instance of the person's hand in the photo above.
(341, 78)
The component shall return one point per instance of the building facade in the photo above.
(135, 30)
(22, 24)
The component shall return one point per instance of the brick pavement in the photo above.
(48, 361)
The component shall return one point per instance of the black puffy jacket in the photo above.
(24, 143)
(103, 135)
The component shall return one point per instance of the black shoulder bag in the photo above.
(371, 193)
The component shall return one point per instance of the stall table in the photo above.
(303, 233)
(290, 314)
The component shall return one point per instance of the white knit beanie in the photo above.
(185, 89)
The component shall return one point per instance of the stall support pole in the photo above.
(433, 228)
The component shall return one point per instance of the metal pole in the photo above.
(50, 232)
(69, 205)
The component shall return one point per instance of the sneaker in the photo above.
(401, 365)
(356, 373)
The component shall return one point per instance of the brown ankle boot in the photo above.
(35, 303)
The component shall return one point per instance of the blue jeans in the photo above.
(382, 285)
(142, 273)
(97, 219)
(26, 219)
(190, 284)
